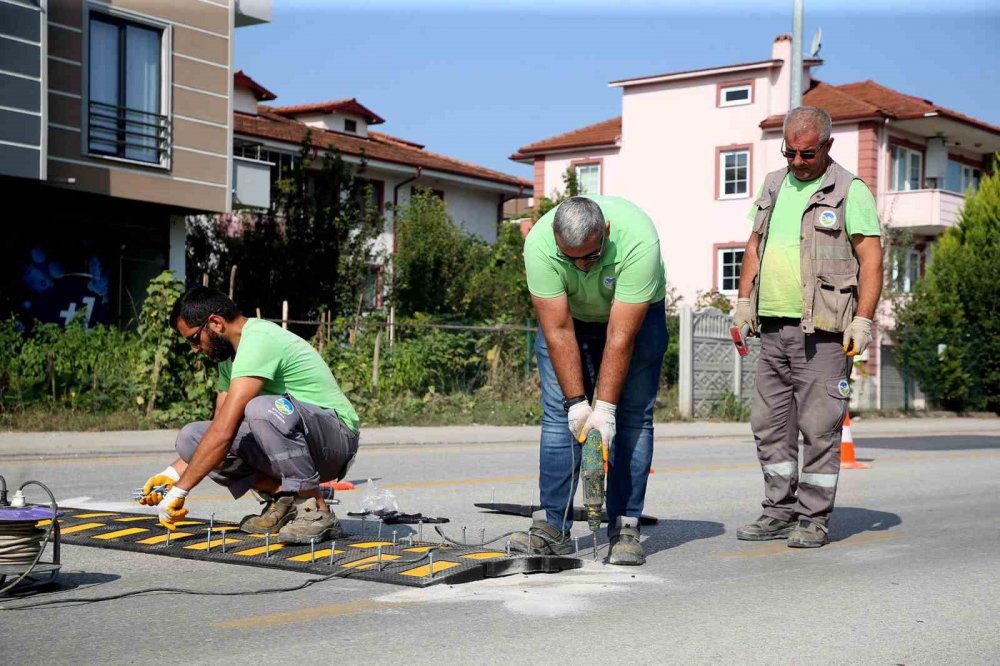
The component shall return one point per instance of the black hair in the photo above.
(198, 304)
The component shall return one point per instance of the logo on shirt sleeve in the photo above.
(608, 281)
(827, 218)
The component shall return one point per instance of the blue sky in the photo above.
(477, 80)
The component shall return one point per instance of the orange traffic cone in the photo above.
(847, 458)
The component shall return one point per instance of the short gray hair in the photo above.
(577, 220)
(806, 118)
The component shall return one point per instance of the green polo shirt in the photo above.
(287, 364)
(780, 276)
(630, 270)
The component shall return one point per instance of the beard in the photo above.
(219, 348)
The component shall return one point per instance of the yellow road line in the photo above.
(320, 554)
(174, 536)
(216, 543)
(79, 528)
(120, 533)
(368, 562)
(421, 572)
(306, 614)
(462, 482)
(780, 547)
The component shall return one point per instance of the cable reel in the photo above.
(22, 543)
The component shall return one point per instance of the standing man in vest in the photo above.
(282, 425)
(810, 280)
(597, 281)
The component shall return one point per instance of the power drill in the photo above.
(593, 471)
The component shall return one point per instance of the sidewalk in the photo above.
(22, 444)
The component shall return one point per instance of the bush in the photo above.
(948, 330)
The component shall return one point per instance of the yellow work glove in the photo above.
(171, 509)
(167, 477)
(858, 336)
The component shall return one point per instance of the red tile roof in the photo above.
(604, 133)
(260, 92)
(868, 99)
(351, 105)
(376, 146)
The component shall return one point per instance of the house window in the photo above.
(906, 270)
(729, 261)
(734, 174)
(414, 191)
(735, 95)
(907, 169)
(350, 125)
(125, 71)
(961, 177)
(374, 189)
(588, 178)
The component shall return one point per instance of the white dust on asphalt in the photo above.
(536, 595)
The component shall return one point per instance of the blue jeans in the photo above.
(628, 468)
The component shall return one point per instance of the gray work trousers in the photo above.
(801, 385)
(283, 438)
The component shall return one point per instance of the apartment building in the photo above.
(115, 124)
(693, 147)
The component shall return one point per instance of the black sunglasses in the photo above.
(195, 338)
(593, 256)
(804, 154)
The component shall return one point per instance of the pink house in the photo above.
(692, 148)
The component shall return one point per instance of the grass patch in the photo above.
(44, 419)
(520, 405)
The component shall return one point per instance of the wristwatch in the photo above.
(569, 402)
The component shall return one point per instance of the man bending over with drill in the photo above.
(597, 282)
(282, 425)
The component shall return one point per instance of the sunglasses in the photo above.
(804, 154)
(593, 256)
(195, 338)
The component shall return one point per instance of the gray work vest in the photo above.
(828, 264)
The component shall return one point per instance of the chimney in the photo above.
(781, 78)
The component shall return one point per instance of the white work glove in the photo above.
(858, 336)
(603, 419)
(578, 415)
(171, 509)
(167, 477)
(744, 315)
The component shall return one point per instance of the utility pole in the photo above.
(796, 96)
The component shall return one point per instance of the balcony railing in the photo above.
(922, 211)
(128, 133)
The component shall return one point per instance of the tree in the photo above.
(572, 185)
(315, 247)
(435, 261)
(948, 331)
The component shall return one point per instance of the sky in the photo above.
(477, 80)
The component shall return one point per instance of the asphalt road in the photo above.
(910, 578)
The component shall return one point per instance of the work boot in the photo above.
(625, 546)
(808, 534)
(278, 510)
(765, 528)
(310, 523)
(546, 539)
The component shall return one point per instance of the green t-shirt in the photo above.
(780, 276)
(287, 364)
(630, 270)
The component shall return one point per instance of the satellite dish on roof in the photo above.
(816, 43)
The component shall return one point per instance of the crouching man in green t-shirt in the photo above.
(282, 425)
